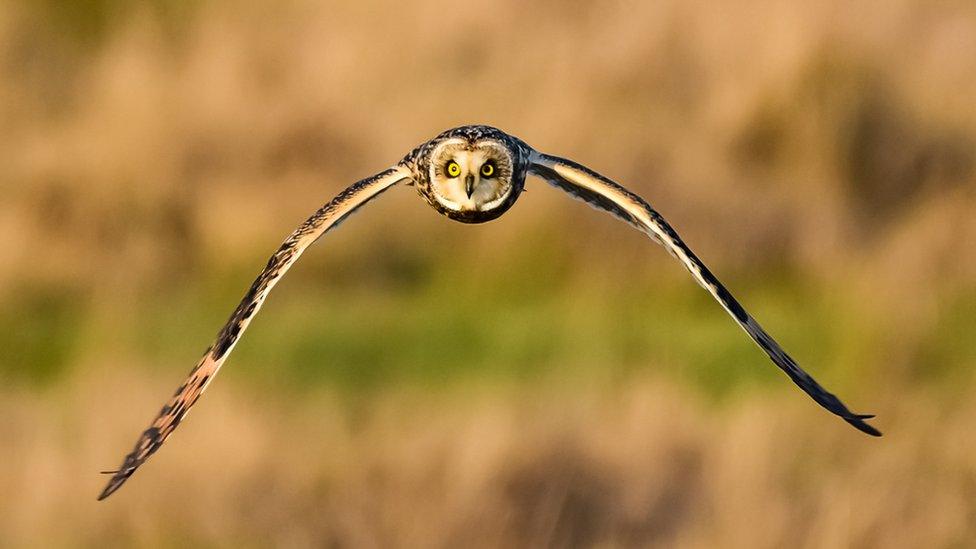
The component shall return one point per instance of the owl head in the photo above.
(474, 177)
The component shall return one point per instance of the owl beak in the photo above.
(469, 185)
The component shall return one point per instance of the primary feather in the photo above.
(174, 411)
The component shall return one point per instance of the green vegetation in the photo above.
(314, 334)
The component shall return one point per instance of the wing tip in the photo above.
(114, 483)
(857, 420)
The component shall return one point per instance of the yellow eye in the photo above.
(453, 169)
(487, 169)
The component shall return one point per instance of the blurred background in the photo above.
(552, 378)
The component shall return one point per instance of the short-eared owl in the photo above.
(471, 174)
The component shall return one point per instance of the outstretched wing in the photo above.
(175, 410)
(604, 194)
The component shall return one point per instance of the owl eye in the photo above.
(453, 169)
(488, 169)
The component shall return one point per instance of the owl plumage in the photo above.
(472, 147)
(471, 174)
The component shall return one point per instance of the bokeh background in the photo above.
(552, 378)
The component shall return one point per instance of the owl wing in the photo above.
(604, 194)
(326, 218)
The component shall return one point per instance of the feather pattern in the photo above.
(606, 195)
(176, 409)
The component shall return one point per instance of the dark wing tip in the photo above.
(834, 405)
(115, 483)
(857, 421)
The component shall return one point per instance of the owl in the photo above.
(470, 174)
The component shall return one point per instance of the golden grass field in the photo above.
(549, 379)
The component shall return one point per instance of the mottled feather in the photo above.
(604, 194)
(170, 416)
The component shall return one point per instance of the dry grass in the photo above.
(838, 133)
(648, 464)
(819, 157)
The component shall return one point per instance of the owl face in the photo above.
(471, 181)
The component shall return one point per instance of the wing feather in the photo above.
(604, 194)
(176, 409)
